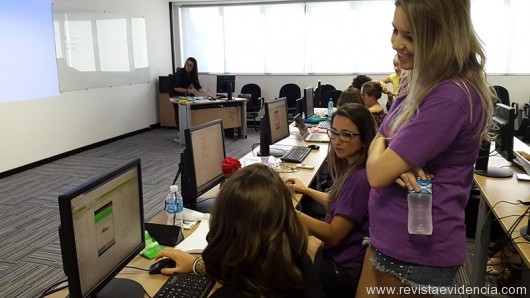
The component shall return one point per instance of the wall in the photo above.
(33, 130)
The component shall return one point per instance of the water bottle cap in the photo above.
(174, 188)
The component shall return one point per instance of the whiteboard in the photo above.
(99, 49)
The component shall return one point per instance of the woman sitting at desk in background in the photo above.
(350, 95)
(433, 130)
(371, 93)
(186, 83)
(339, 259)
(257, 246)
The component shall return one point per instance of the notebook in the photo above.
(306, 135)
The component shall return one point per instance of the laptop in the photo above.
(306, 135)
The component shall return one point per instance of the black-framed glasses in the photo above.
(344, 136)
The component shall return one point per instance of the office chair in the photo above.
(333, 94)
(322, 102)
(292, 92)
(502, 94)
(255, 103)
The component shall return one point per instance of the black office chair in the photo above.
(292, 92)
(319, 101)
(334, 95)
(502, 94)
(255, 103)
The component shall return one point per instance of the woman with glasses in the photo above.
(339, 254)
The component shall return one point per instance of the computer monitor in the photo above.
(299, 105)
(226, 84)
(503, 126)
(307, 103)
(274, 127)
(504, 120)
(101, 231)
(201, 162)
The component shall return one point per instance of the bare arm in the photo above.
(384, 165)
(331, 233)
(318, 196)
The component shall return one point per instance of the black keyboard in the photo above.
(186, 285)
(296, 154)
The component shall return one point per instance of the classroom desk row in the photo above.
(152, 283)
(495, 193)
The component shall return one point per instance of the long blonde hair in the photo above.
(446, 47)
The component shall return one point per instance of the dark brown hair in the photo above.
(372, 88)
(256, 242)
(194, 75)
(350, 95)
(339, 168)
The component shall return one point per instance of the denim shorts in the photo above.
(413, 275)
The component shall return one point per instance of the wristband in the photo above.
(195, 264)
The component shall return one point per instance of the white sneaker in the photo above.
(176, 141)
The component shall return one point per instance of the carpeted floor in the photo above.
(30, 256)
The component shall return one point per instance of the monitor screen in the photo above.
(201, 161)
(504, 124)
(226, 84)
(307, 103)
(503, 127)
(274, 126)
(102, 230)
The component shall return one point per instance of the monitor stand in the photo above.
(204, 205)
(495, 172)
(121, 287)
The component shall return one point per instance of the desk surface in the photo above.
(496, 191)
(203, 101)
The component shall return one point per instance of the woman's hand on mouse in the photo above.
(296, 184)
(184, 260)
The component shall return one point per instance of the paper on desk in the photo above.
(196, 242)
(192, 215)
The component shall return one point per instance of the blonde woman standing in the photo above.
(433, 130)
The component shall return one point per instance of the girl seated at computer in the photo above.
(257, 246)
(339, 254)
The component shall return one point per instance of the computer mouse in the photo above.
(157, 267)
(313, 147)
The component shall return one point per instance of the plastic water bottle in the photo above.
(420, 209)
(330, 107)
(174, 208)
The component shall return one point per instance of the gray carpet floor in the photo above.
(30, 256)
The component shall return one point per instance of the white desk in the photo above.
(232, 112)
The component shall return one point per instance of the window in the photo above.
(338, 37)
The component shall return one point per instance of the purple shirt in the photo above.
(444, 140)
(352, 203)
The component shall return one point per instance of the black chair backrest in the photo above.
(254, 104)
(322, 102)
(292, 92)
(333, 94)
(503, 94)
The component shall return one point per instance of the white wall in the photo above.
(33, 130)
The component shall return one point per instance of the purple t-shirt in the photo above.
(352, 203)
(444, 140)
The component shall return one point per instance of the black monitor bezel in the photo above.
(308, 106)
(222, 80)
(190, 191)
(267, 116)
(504, 122)
(66, 231)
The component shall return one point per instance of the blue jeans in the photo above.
(336, 281)
(413, 274)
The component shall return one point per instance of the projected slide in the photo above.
(27, 51)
